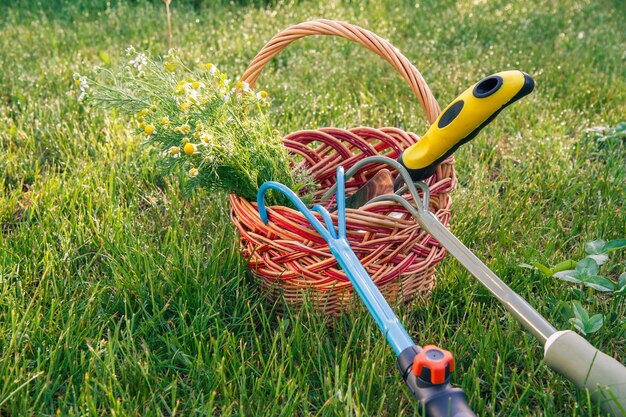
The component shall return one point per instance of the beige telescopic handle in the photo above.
(576, 359)
(356, 34)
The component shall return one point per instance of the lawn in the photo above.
(121, 294)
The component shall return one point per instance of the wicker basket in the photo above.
(288, 257)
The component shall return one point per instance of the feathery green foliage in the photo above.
(217, 131)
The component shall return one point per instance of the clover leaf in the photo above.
(586, 272)
(583, 322)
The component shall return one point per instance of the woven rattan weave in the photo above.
(288, 257)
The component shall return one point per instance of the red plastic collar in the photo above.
(436, 360)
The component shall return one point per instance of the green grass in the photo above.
(119, 295)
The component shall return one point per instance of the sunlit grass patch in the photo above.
(120, 293)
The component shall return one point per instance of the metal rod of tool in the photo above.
(516, 305)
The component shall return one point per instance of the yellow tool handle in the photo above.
(461, 121)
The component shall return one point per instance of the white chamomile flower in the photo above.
(206, 138)
(244, 86)
(83, 85)
(174, 152)
(193, 172)
(130, 50)
(212, 68)
(139, 61)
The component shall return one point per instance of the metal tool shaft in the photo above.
(516, 305)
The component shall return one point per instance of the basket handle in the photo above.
(356, 34)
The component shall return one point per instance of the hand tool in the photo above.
(426, 370)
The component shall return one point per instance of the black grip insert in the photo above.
(449, 115)
(487, 86)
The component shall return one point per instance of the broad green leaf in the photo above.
(544, 269)
(594, 247)
(594, 323)
(598, 283)
(569, 276)
(614, 245)
(600, 259)
(565, 265)
(587, 266)
(579, 325)
(580, 312)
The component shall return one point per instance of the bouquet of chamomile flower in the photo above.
(199, 121)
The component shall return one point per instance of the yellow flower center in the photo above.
(189, 149)
(149, 129)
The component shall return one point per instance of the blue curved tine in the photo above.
(328, 221)
(338, 243)
(327, 234)
(295, 200)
